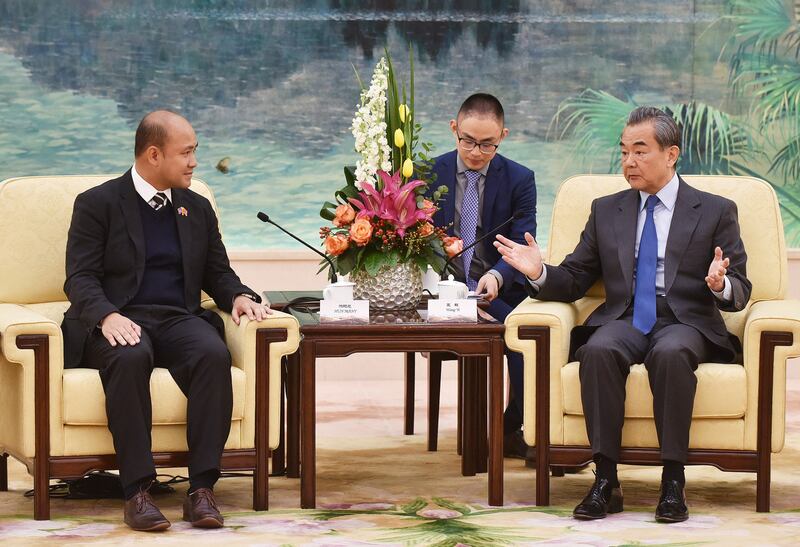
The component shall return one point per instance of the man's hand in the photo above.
(716, 272)
(118, 329)
(488, 287)
(525, 258)
(244, 306)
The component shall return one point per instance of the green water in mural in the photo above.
(271, 85)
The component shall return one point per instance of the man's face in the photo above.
(473, 131)
(177, 158)
(646, 166)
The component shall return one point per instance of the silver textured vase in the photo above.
(397, 287)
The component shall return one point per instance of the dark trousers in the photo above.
(200, 364)
(512, 417)
(670, 352)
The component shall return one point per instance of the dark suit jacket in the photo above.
(106, 258)
(509, 188)
(700, 222)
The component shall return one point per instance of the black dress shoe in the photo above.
(514, 445)
(601, 500)
(200, 508)
(672, 503)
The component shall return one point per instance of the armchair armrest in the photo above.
(23, 330)
(559, 319)
(241, 342)
(771, 336)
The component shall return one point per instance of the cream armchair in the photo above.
(739, 411)
(53, 420)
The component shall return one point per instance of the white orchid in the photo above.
(369, 128)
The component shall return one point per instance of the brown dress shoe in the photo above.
(142, 515)
(200, 508)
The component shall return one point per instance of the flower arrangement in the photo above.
(382, 217)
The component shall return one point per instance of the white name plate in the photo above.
(346, 312)
(464, 310)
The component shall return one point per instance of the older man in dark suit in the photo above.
(670, 257)
(140, 249)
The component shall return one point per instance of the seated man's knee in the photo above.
(132, 359)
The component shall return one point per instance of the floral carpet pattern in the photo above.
(378, 487)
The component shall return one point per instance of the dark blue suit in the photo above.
(509, 188)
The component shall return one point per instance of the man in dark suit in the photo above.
(140, 249)
(670, 257)
(484, 190)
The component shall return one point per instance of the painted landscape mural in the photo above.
(271, 90)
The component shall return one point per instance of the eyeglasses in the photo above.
(469, 145)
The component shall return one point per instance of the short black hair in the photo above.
(667, 131)
(482, 104)
(151, 132)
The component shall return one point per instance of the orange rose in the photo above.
(428, 207)
(452, 245)
(336, 244)
(361, 231)
(426, 229)
(344, 215)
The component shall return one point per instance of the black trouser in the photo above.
(200, 364)
(670, 352)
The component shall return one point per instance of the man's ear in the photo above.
(504, 133)
(673, 155)
(153, 155)
(454, 127)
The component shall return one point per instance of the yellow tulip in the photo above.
(399, 139)
(408, 168)
(403, 112)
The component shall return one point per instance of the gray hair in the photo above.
(667, 131)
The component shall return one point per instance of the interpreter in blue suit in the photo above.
(484, 190)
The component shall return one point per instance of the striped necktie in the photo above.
(158, 201)
(469, 222)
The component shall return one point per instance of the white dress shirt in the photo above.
(145, 189)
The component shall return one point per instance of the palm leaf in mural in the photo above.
(713, 142)
(760, 27)
(595, 120)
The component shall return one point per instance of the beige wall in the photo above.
(296, 270)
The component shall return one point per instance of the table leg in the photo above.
(496, 424)
(470, 419)
(460, 407)
(408, 409)
(308, 471)
(434, 391)
(293, 415)
(279, 454)
(481, 448)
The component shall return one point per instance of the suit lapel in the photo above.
(490, 189)
(625, 231)
(684, 220)
(184, 230)
(449, 180)
(133, 220)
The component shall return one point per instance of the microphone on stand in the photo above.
(263, 217)
(516, 216)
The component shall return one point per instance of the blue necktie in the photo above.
(644, 303)
(469, 222)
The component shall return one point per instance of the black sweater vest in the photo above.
(162, 282)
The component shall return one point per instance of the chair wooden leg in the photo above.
(470, 423)
(279, 454)
(460, 409)
(408, 407)
(293, 416)
(3, 472)
(434, 390)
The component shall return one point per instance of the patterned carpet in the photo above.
(378, 487)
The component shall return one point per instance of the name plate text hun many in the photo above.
(347, 312)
